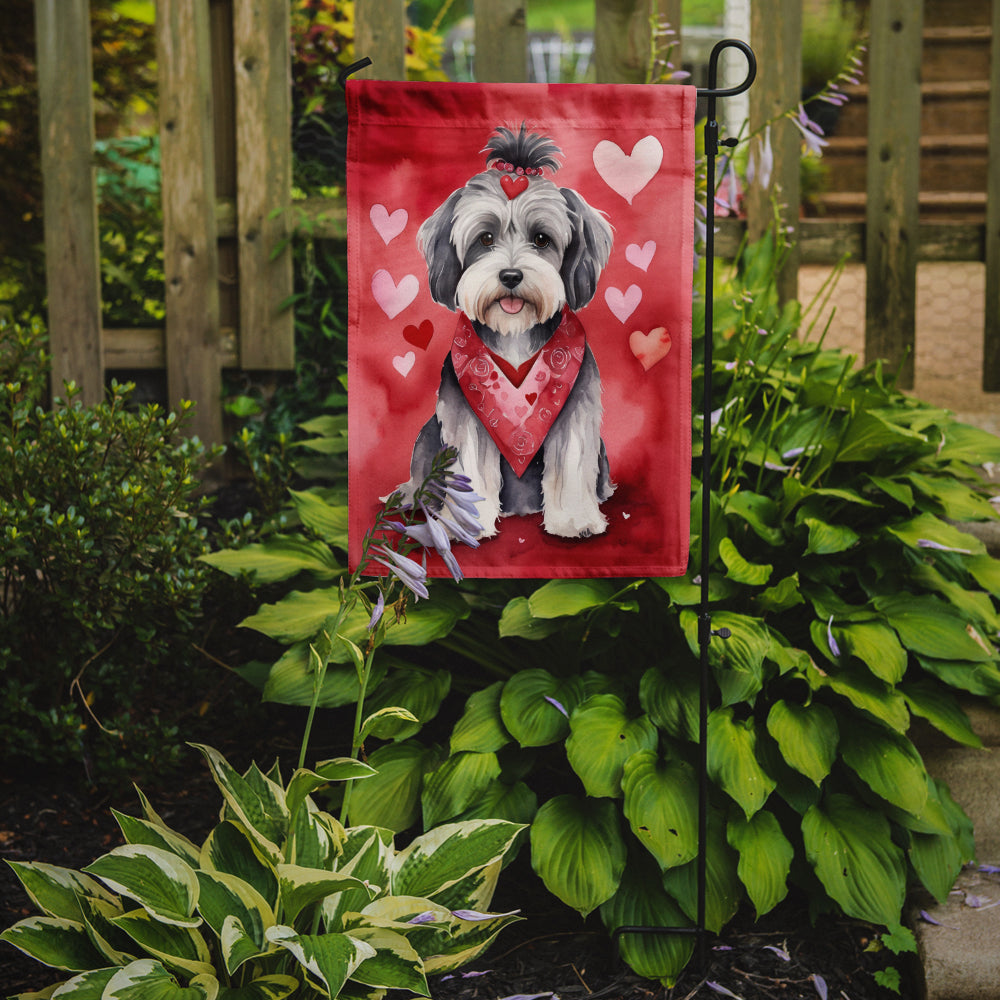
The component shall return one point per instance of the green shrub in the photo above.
(99, 541)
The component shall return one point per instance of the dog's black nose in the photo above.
(510, 277)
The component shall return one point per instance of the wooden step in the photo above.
(957, 206)
(945, 12)
(956, 53)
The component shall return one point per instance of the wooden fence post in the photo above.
(380, 34)
(262, 61)
(892, 214)
(190, 251)
(72, 255)
(622, 40)
(501, 41)
(776, 35)
(991, 332)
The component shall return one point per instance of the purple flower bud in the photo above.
(834, 648)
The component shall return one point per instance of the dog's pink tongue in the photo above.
(511, 305)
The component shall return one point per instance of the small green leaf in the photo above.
(732, 760)
(670, 698)
(559, 598)
(888, 763)
(828, 539)
(456, 784)
(517, 620)
(481, 727)
(535, 706)
(765, 858)
(739, 569)
(391, 798)
(807, 736)
(279, 558)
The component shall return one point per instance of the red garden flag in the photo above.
(520, 279)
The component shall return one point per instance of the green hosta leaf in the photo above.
(738, 661)
(758, 511)
(578, 851)
(141, 831)
(330, 959)
(279, 558)
(661, 798)
(159, 881)
(535, 706)
(559, 598)
(260, 809)
(976, 605)
(86, 986)
(395, 964)
(932, 628)
(292, 680)
(888, 763)
(957, 501)
(329, 521)
(56, 891)
(275, 987)
(516, 803)
(304, 782)
(827, 539)
(466, 941)
(732, 760)
(751, 574)
(765, 858)
(893, 488)
(230, 849)
(301, 887)
(391, 798)
(671, 699)
(683, 592)
(517, 620)
(417, 690)
(180, 948)
(937, 859)
(876, 646)
(641, 901)
(965, 443)
(986, 572)
(602, 738)
(147, 979)
(783, 595)
(723, 889)
(387, 723)
(928, 528)
(456, 784)
(226, 898)
(870, 435)
(54, 941)
(976, 678)
(941, 709)
(438, 859)
(807, 736)
(866, 692)
(481, 728)
(850, 848)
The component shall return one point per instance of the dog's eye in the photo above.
(541, 240)
(486, 239)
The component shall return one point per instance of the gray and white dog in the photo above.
(515, 254)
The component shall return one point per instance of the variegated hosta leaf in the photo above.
(578, 851)
(602, 737)
(158, 880)
(481, 727)
(86, 986)
(888, 763)
(807, 736)
(476, 890)
(225, 897)
(177, 947)
(54, 941)
(441, 857)
(732, 760)
(850, 847)
(535, 706)
(467, 940)
(391, 799)
(304, 782)
(456, 784)
(56, 891)
(301, 887)
(230, 849)
(256, 801)
(367, 853)
(329, 959)
(116, 947)
(661, 800)
(765, 858)
(147, 979)
(395, 964)
(642, 902)
(141, 831)
(274, 987)
(315, 838)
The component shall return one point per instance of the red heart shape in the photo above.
(530, 397)
(419, 336)
(513, 186)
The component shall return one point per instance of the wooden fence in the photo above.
(226, 161)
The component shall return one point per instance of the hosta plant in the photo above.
(279, 900)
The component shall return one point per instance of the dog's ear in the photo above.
(588, 250)
(434, 242)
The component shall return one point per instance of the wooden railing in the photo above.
(226, 161)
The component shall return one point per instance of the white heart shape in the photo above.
(623, 304)
(628, 173)
(640, 255)
(386, 225)
(391, 297)
(404, 363)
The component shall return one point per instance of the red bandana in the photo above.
(518, 415)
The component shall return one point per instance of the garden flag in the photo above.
(520, 285)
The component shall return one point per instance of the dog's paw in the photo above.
(574, 525)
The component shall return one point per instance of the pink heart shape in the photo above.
(391, 297)
(640, 255)
(404, 363)
(623, 304)
(386, 225)
(628, 173)
(649, 348)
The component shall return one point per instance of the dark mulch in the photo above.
(551, 951)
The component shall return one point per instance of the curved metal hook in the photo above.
(353, 68)
(713, 69)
